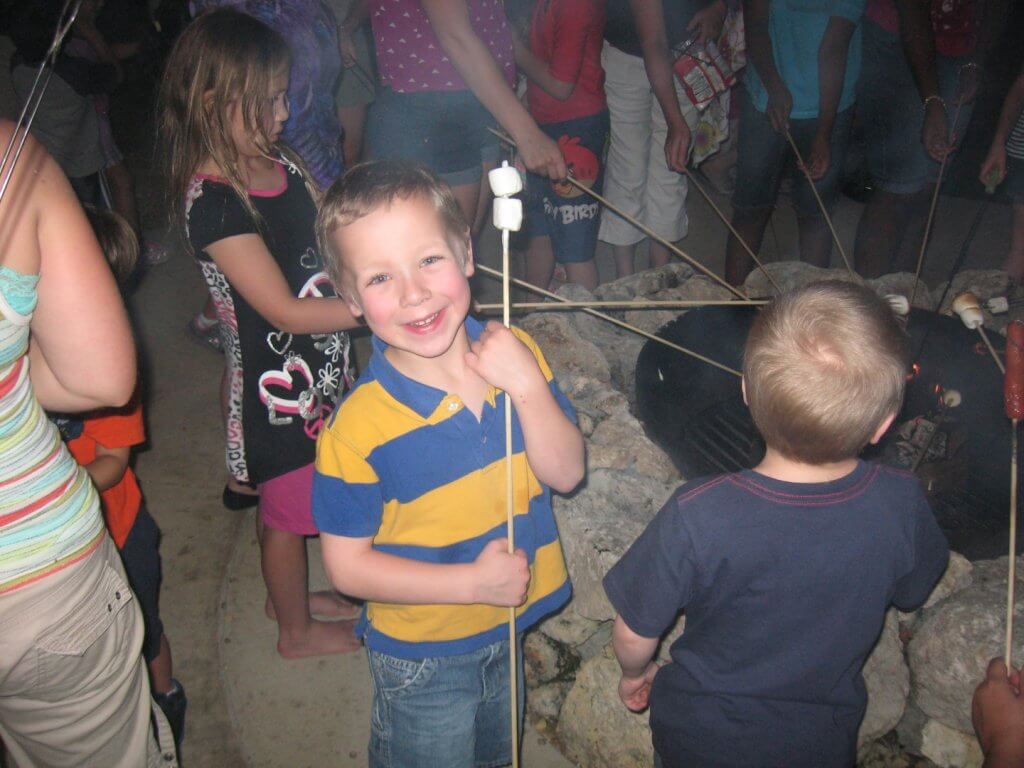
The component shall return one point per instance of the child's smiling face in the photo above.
(403, 274)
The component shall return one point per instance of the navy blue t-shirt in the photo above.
(785, 588)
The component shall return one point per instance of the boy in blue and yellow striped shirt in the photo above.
(409, 492)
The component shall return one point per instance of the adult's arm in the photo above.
(81, 352)
(759, 49)
(649, 18)
(919, 47)
(537, 71)
(473, 61)
(832, 55)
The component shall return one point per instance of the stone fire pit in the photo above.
(923, 670)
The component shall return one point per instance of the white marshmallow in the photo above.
(505, 181)
(997, 305)
(508, 213)
(899, 304)
(967, 307)
(951, 398)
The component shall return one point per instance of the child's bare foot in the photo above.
(320, 639)
(326, 604)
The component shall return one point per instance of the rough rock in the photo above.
(597, 525)
(789, 275)
(942, 745)
(546, 700)
(957, 576)
(644, 283)
(903, 284)
(888, 682)
(568, 627)
(547, 661)
(566, 352)
(954, 640)
(595, 729)
(697, 288)
(620, 443)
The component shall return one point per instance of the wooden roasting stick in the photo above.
(968, 308)
(1013, 399)
(738, 293)
(821, 204)
(508, 217)
(623, 305)
(731, 228)
(615, 321)
(935, 202)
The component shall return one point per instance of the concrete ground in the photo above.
(247, 706)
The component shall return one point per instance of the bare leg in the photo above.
(1014, 263)
(283, 558)
(625, 256)
(815, 241)
(122, 193)
(540, 261)
(882, 228)
(583, 273)
(658, 255)
(353, 120)
(750, 223)
(160, 668)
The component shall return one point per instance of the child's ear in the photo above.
(883, 428)
(468, 268)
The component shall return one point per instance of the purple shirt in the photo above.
(410, 58)
(311, 31)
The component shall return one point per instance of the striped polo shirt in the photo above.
(412, 467)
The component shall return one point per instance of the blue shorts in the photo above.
(447, 710)
(889, 105)
(562, 212)
(765, 155)
(444, 130)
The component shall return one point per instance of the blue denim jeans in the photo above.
(764, 157)
(450, 711)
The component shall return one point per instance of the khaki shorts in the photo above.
(73, 686)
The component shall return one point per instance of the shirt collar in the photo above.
(421, 398)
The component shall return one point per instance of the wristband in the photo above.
(933, 97)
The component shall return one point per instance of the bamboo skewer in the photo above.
(821, 204)
(731, 228)
(621, 305)
(642, 227)
(510, 508)
(991, 349)
(931, 208)
(614, 321)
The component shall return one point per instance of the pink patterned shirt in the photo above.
(410, 58)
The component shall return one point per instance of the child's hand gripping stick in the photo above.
(508, 217)
(1013, 401)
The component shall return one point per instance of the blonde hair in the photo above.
(117, 241)
(378, 183)
(223, 60)
(824, 366)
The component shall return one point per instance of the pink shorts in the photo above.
(286, 502)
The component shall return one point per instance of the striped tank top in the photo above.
(49, 509)
(1015, 141)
